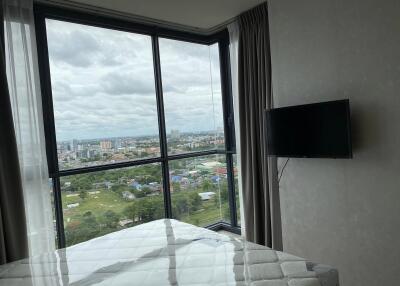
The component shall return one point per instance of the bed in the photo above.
(167, 252)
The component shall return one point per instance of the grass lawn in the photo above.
(208, 214)
(104, 200)
(96, 203)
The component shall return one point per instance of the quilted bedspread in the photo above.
(166, 252)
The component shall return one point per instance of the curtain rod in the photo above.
(132, 17)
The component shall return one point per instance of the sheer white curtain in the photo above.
(233, 29)
(23, 81)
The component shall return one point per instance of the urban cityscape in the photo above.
(85, 153)
(101, 202)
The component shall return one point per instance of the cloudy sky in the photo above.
(103, 83)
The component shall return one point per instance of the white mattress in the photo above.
(167, 252)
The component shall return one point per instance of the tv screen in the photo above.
(319, 130)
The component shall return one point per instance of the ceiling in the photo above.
(196, 14)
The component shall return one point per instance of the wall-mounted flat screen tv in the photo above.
(319, 130)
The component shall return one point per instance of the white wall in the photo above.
(203, 15)
(343, 212)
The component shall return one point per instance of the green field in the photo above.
(100, 213)
(97, 204)
(106, 200)
(94, 203)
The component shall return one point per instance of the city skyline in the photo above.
(218, 130)
(92, 152)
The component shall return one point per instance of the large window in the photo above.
(192, 96)
(104, 97)
(138, 125)
(199, 190)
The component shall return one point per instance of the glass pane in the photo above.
(50, 185)
(199, 189)
(236, 176)
(192, 96)
(101, 202)
(103, 95)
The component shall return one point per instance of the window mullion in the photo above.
(59, 212)
(231, 189)
(227, 100)
(228, 124)
(161, 126)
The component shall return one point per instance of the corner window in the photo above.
(137, 125)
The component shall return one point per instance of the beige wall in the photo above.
(343, 212)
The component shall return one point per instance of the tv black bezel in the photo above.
(315, 156)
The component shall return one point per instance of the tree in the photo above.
(119, 189)
(82, 182)
(150, 209)
(111, 219)
(206, 185)
(224, 192)
(83, 195)
(131, 211)
(146, 191)
(182, 204)
(195, 201)
(72, 189)
(176, 186)
(85, 228)
(138, 194)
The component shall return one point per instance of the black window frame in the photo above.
(43, 12)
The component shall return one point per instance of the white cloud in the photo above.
(103, 83)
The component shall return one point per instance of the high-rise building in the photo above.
(105, 145)
(92, 153)
(175, 134)
(74, 145)
(118, 143)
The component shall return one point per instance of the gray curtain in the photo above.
(259, 173)
(13, 233)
